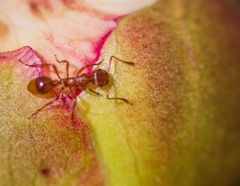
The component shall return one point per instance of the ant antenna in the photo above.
(123, 61)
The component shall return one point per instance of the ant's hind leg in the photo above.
(63, 61)
(41, 109)
(47, 104)
(73, 109)
(44, 65)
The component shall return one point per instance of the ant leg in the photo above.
(123, 61)
(67, 64)
(90, 65)
(117, 98)
(93, 91)
(71, 91)
(73, 109)
(44, 65)
(40, 109)
(47, 104)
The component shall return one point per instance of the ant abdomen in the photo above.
(41, 86)
(82, 81)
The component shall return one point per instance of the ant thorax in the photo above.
(80, 81)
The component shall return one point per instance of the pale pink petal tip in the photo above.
(27, 55)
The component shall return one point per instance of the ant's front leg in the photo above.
(117, 98)
(41, 109)
(123, 61)
(109, 98)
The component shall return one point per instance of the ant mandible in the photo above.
(42, 86)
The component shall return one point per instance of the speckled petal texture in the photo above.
(181, 128)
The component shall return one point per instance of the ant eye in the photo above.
(40, 86)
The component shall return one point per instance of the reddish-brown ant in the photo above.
(43, 86)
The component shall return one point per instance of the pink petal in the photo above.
(27, 55)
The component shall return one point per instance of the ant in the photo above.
(43, 86)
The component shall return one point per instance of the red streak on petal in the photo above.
(34, 7)
(85, 57)
(36, 4)
(99, 44)
(67, 48)
(67, 102)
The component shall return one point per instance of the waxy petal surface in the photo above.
(50, 149)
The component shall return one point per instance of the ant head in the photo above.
(40, 86)
(100, 77)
